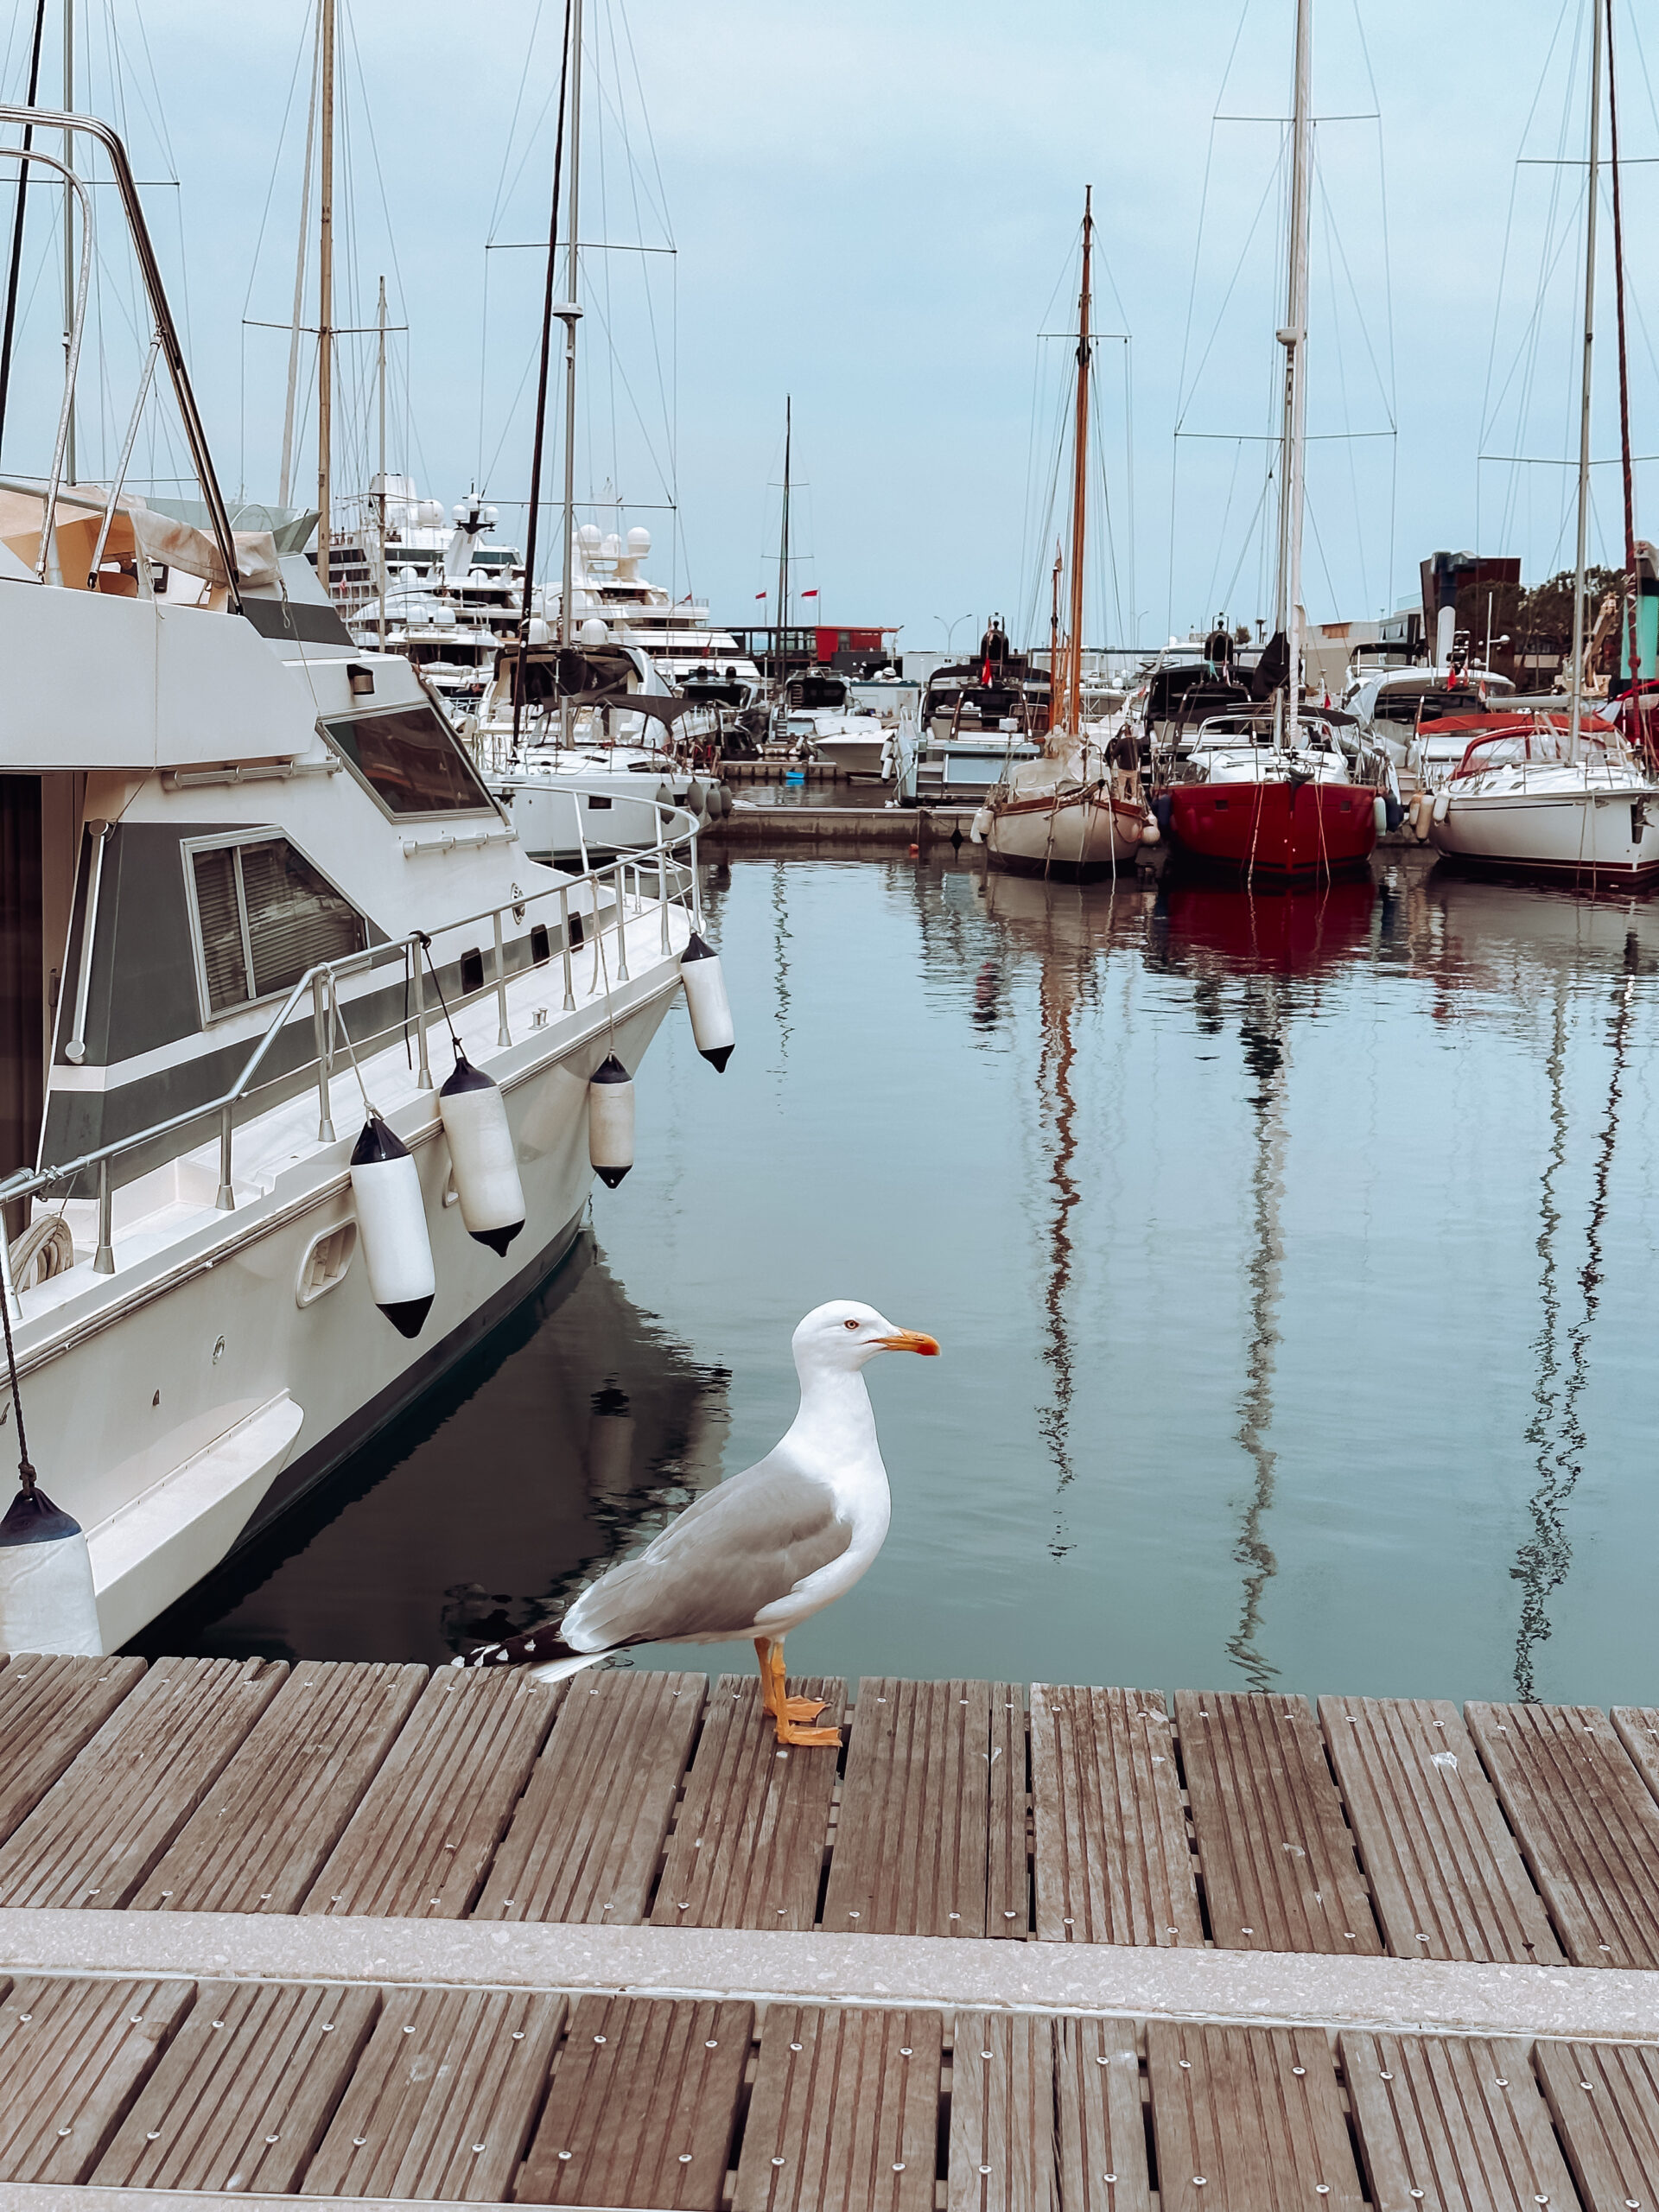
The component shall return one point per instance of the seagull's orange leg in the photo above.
(763, 1652)
(791, 1713)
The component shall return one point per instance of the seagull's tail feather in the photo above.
(543, 1650)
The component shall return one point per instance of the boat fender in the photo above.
(1442, 806)
(696, 798)
(980, 828)
(392, 1222)
(1151, 833)
(1380, 809)
(46, 1599)
(664, 795)
(722, 793)
(705, 998)
(610, 1121)
(481, 1156)
(1393, 813)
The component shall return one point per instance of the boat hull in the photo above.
(1275, 829)
(1074, 838)
(178, 1406)
(1608, 841)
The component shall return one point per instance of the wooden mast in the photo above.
(1080, 479)
(326, 294)
(1585, 384)
(1632, 632)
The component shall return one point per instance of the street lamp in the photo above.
(950, 628)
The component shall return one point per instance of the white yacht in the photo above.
(823, 720)
(450, 600)
(1531, 798)
(271, 884)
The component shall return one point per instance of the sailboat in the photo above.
(1077, 812)
(1272, 793)
(1582, 802)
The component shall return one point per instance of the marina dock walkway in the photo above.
(364, 1932)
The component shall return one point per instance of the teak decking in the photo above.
(1241, 1831)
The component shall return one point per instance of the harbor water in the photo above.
(1292, 1258)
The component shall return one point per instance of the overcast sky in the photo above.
(877, 212)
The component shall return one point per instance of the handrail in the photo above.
(196, 437)
(682, 830)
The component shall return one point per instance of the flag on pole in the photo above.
(760, 594)
(811, 595)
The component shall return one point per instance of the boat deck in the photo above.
(370, 1932)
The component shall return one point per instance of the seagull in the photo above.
(760, 1553)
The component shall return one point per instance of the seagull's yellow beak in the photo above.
(910, 1340)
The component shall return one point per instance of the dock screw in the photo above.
(984, 2170)
(477, 2146)
(271, 2138)
(685, 2158)
(898, 2163)
(63, 2130)
(598, 2038)
(711, 2046)
(1299, 2070)
(1187, 2065)
(564, 2154)
(904, 2050)
(517, 2035)
(795, 2046)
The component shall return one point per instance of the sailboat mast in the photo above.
(15, 267)
(572, 305)
(783, 554)
(70, 474)
(381, 319)
(285, 475)
(1584, 385)
(1632, 632)
(1293, 338)
(1080, 477)
(326, 294)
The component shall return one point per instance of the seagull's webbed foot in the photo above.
(791, 1713)
(790, 1731)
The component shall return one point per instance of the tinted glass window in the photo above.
(266, 916)
(410, 761)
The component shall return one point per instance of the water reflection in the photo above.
(568, 1436)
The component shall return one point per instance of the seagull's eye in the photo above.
(849, 1324)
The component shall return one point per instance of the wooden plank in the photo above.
(1249, 2117)
(587, 1837)
(1586, 1825)
(913, 1843)
(256, 1842)
(1007, 1874)
(1451, 2121)
(443, 2099)
(1112, 1864)
(100, 1829)
(1605, 2101)
(1635, 1725)
(245, 2089)
(747, 1847)
(1103, 2136)
(643, 2105)
(51, 1706)
(72, 2056)
(1002, 2150)
(420, 1844)
(1447, 1878)
(1275, 1854)
(844, 2115)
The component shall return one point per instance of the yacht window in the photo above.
(264, 916)
(410, 760)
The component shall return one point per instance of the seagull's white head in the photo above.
(846, 1336)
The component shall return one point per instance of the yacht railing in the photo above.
(579, 898)
(164, 334)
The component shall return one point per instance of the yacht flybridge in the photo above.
(275, 902)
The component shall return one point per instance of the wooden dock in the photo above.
(366, 1933)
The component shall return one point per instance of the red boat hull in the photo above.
(1278, 830)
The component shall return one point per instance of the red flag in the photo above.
(760, 594)
(811, 595)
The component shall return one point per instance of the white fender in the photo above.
(46, 1599)
(1151, 833)
(1380, 809)
(481, 1156)
(1442, 806)
(610, 1121)
(392, 1223)
(705, 997)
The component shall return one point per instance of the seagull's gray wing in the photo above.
(737, 1549)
